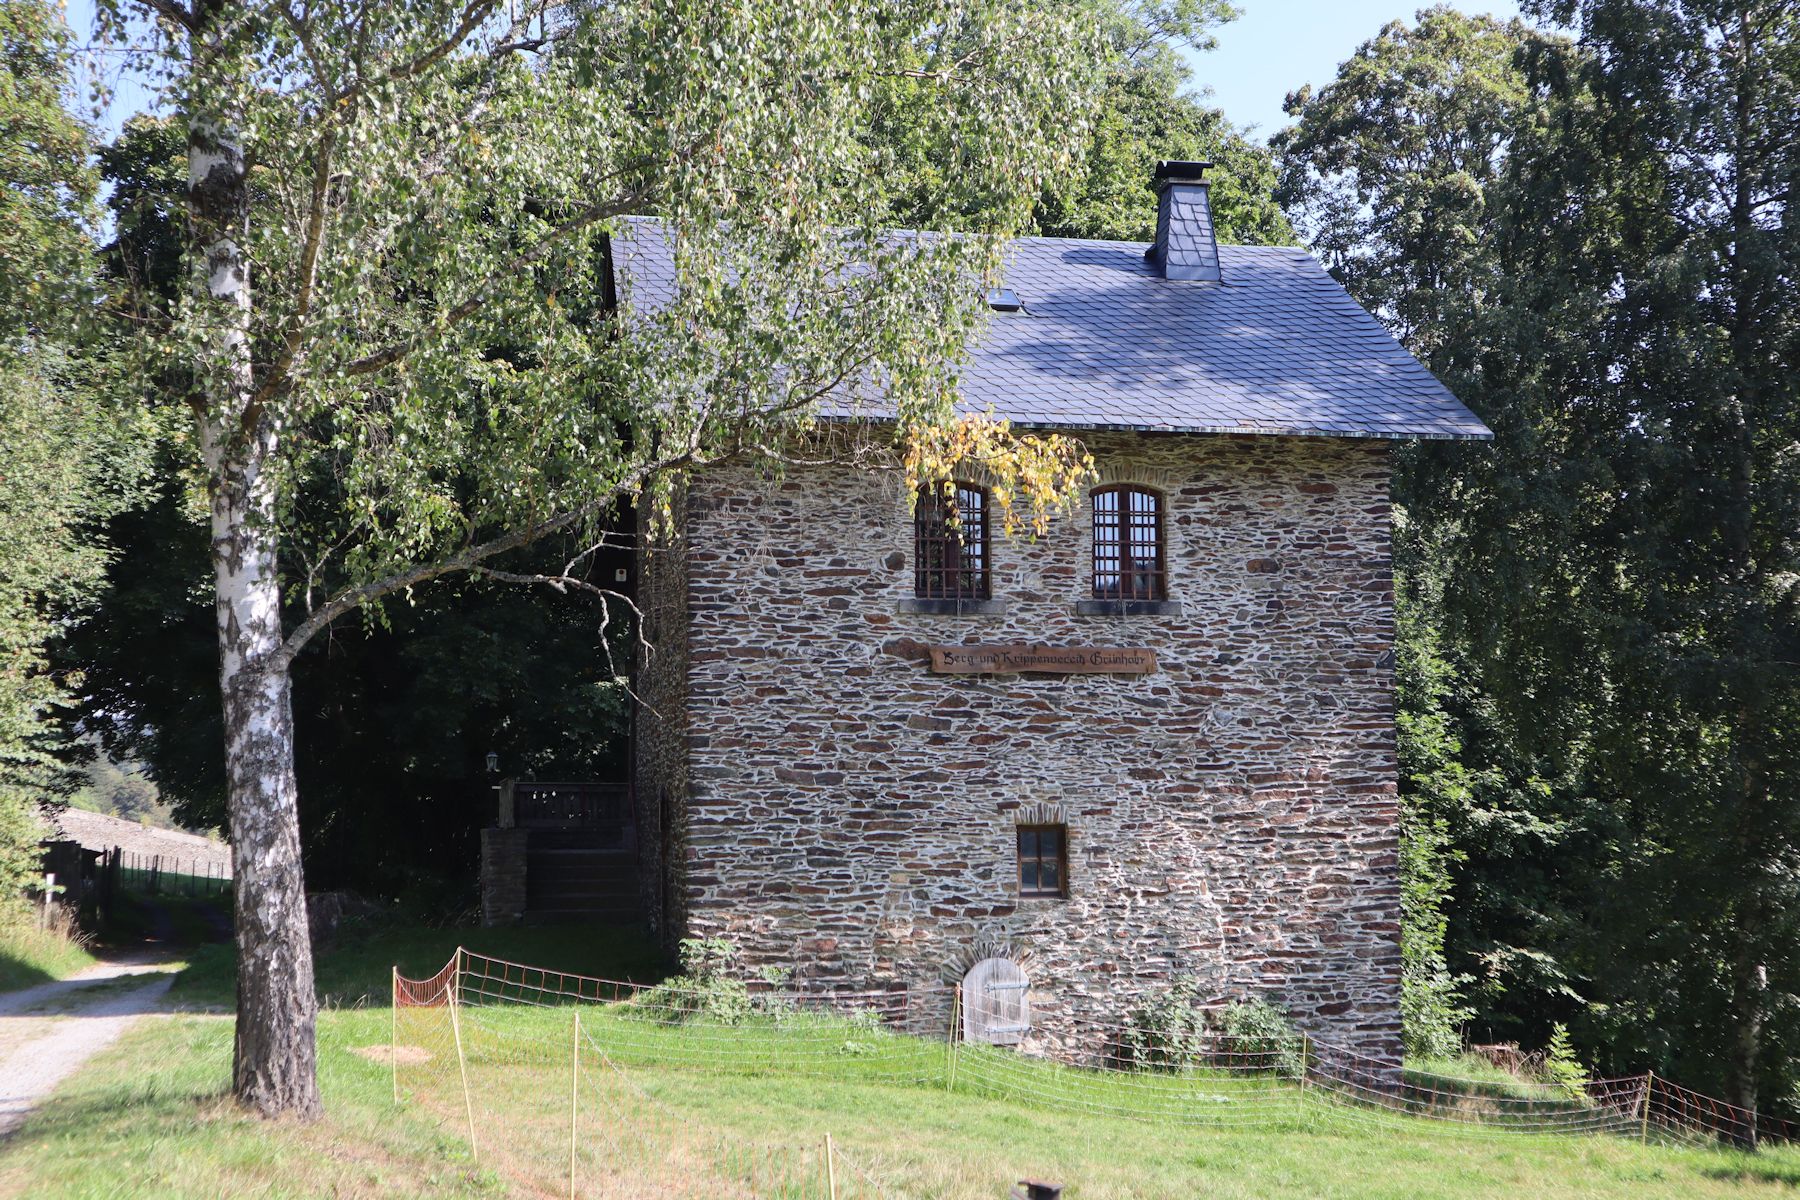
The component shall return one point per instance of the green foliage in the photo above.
(1562, 1067)
(1144, 112)
(1258, 1029)
(456, 367)
(1167, 1031)
(48, 197)
(1145, 116)
(704, 989)
(1172, 1030)
(66, 457)
(121, 791)
(1588, 240)
(706, 958)
(1435, 785)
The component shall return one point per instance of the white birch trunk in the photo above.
(274, 1060)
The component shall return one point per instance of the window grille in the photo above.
(950, 543)
(1043, 860)
(1129, 562)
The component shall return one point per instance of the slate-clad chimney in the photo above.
(1185, 247)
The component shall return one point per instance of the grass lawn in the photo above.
(148, 1119)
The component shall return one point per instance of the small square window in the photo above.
(1043, 860)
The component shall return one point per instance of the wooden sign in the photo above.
(1061, 660)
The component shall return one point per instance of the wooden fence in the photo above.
(167, 874)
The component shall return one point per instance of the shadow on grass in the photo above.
(30, 956)
(18, 971)
(1748, 1168)
(145, 1111)
(140, 920)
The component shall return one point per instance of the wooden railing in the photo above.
(604, 809)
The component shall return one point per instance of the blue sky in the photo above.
(1278, 45)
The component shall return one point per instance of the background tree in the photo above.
(1398, 173)
(427, 196)
(64, 460)
(1147, 110)
(1590, 241)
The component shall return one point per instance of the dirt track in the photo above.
(47, 1032)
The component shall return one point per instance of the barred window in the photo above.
(1043, 860)
(1129, 563)
(950, 543)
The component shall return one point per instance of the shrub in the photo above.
(1562, 1067)
(1172, 1032)
(1254, 1027)
(703, 989)
(1431, 1010)
(1167, 1032)
(707, 958)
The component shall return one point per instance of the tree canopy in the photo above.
(1589, 237)
(66, 458)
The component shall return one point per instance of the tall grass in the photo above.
(33, 951)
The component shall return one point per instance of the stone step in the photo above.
(573, 891)
(586, 916)
(575, 839)
(575, 871)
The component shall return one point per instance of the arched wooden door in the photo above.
(996, 1004)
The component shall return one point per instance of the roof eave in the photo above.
(1292, 431)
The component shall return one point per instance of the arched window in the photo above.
(1129, 562)
(950, 543)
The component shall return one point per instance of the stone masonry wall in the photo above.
(1232, 817)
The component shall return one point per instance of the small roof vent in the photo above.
(1004, 299)
(1185, 247)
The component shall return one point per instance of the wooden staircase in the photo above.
(580, 875)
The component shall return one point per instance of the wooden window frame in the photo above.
(1061, 891)
(1114, 554)
(935, 537)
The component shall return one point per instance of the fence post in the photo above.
(394, 1031)
(49, 891)
(1644, 1117)
(574, 1094)
(955, 1032)
(1305, 1063)
(830, 1171)
(462, 1063)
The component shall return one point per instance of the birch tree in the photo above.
(401, 222)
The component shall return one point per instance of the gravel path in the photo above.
(47, 1032)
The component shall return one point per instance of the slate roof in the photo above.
(1277, 347)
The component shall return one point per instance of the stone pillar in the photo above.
(503, 875)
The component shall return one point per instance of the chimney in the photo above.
(1185, 247)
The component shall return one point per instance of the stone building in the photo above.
(878, 746)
